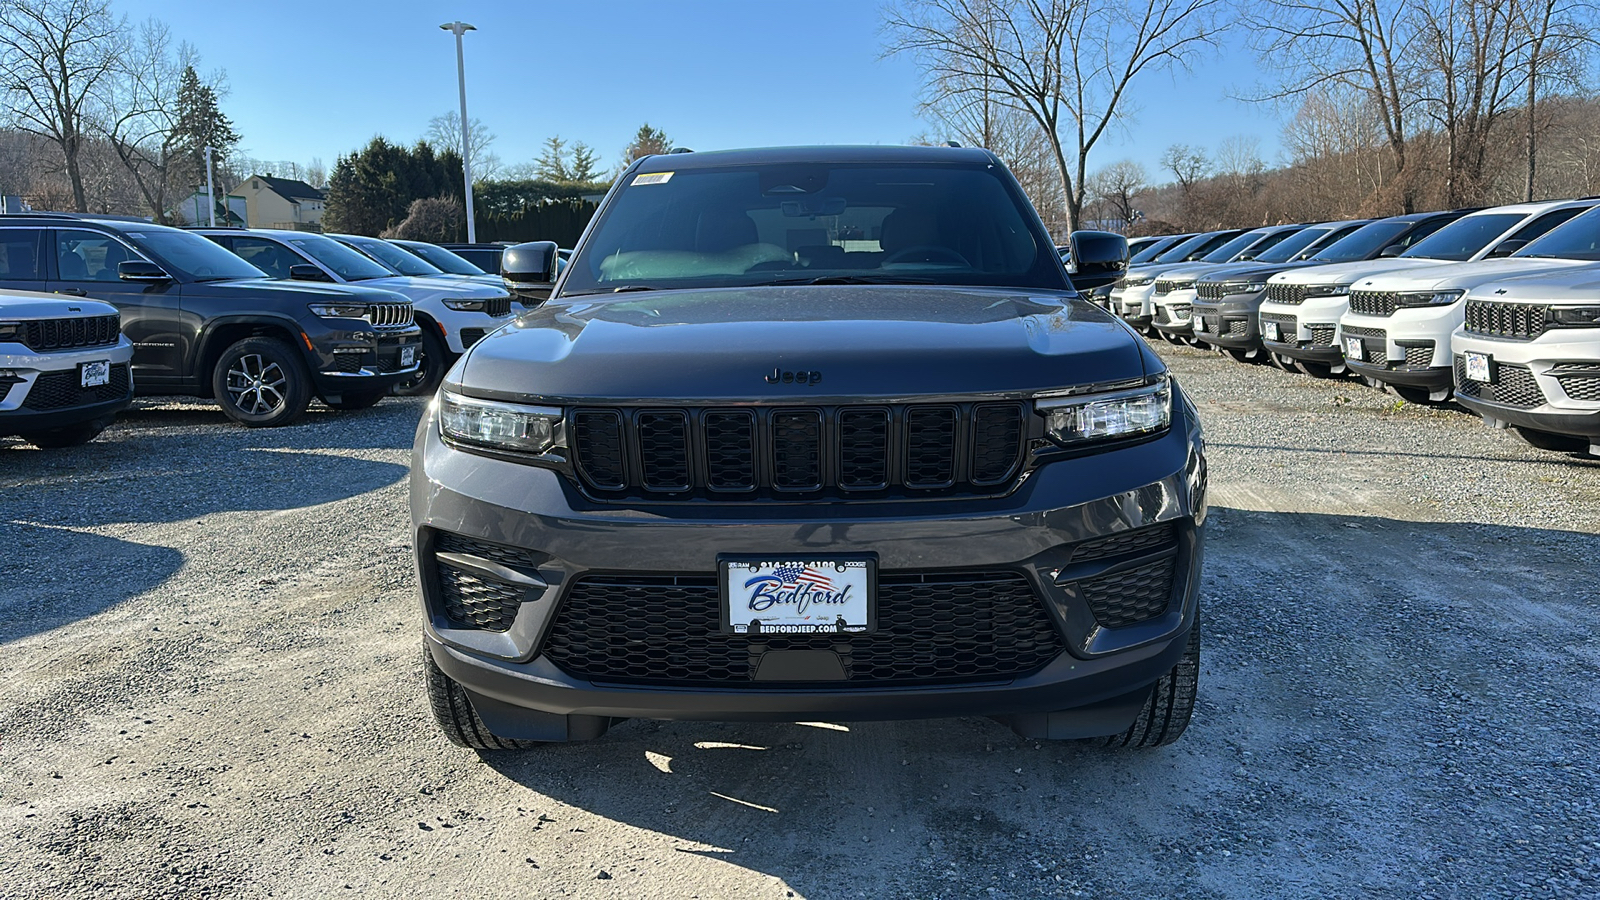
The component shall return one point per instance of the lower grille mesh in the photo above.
(1131, 596)
(1513, 386)
(62, 390)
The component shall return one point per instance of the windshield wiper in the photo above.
(852, 279)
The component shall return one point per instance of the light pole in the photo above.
(211, 190)
(459, 29)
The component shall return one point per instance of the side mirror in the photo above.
(1099, 258)
(529, 270)
(1506, 248)
(1391, 251)
(307, 272)
(139, 270)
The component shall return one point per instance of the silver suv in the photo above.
(64, 372)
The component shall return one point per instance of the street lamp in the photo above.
(459, 29)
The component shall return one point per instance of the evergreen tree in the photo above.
(372, 189)
(585, 163)
(552, 164)
(200, 124)
(647, 142)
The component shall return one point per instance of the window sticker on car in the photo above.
(653, 178)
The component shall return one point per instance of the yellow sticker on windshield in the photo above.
(653, 178)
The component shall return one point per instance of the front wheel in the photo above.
(1166, 714)
(433, 358)
(66, 435)
(1559, 443)
(262, 382)
(452, 709)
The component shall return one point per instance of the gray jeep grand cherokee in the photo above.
(811, 433)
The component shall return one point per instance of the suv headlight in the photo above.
(1137, 280)
(10, 331)
(339, 310)
(1428, 298)
(501, 426)
(1327, 290)
(1243, 287)
(467, 305)
(1564, 316)
(1098, 417)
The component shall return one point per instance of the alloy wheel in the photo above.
(256, 384)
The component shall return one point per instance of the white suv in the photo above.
(1527, 356)
(1397, 330)
(64, 368)
(1173, 298)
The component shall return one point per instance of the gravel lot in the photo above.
(212, 689)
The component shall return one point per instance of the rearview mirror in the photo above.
(1506, 248)
(1099, 258)
(139, 270)
(307, 272)
(529, 270)
(1391, 251)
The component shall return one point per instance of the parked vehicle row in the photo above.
(1498, 308)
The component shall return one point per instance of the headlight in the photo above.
(502, 426)
(1565, 316)
(1243, 287)
(467, 305)
(1428, 298)
(1098, 417)
(1137, 280)
(339, 310)
(10, 331)
(1327, 290)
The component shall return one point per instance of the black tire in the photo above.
(434, 359)
(455, 715)
(357, 399)
(1559, 443)
(1166, 714)
(261, 382)
(1412, 394)
(66, 435)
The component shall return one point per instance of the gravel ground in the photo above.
(212, 689)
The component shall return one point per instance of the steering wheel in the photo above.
(926, 253)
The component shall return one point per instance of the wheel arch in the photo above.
(224, 332)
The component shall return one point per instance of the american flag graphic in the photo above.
(794, 573)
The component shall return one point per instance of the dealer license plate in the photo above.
(1199, 325)
(1270, 329)
(798, 595)
(94, 374)
(1477, 366)
(408, 357)
(1354, 349)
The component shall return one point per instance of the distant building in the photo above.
(191, 210)
(281, 203)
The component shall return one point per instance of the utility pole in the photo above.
(459, 29)
(211, 190)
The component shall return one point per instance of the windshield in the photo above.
(442, 258)
(788, 223)
(344, 262)
(1233, 248)
(1286, 249)
(193, 256)
(1152, 251)
(393, 257)
(1577, 239)
(1363, 243)
(1181, 250)
(1462, 239)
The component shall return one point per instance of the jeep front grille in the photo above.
(738, 453)
(1374, 303)
(44, 335)
(499, 306)
(63, 390)
(1513, 385)
(389, 315)
(947, 627)
(1293, 294)
(1518, 321)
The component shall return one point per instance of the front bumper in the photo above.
(43, 390)
(1535, 384)
(461, 328)
(1308, 332)
(1133, 304)
(365, 360)
(1232, 322)
(1174, 312)
(1410, 348)
(1095, 684)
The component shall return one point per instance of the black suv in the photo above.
(811, 433)
(204, 322)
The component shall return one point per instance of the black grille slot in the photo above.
(1131, 596)
(62, 390)
(1419, 355)
(499, 306)
(1322, 335)
(930, 446)
(797, 450)
(932, 627)
(864, 449)
(470, 336)
(1238, 327)
(516, 557)
(1143, 540)
(43, 335)
(996, 442)
(1513, 385)
(597, 439)
(664, 449)
(1519, 321)
(1374, 303)
(730, 450)
(476, 601)
(1581, 387)
(348, 362)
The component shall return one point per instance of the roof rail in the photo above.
(143, 220)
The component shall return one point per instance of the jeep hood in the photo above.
(283, 288)
(883, 342)
(1568, 285)
(18, 306)
(1462, 275)
(1344, 273)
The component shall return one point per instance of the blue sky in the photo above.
(318, 79)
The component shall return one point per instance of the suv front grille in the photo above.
(43, 335)
(389, 315)
(1293, 294)
(932, 627)
(1209, 290)
(1519, 321)
(62, 390)
(499, 306)
(472, 600)
(1513, 385)
(1288, 327)
(1374, 303)
(737, 453)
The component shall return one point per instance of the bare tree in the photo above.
(1556, 36)
(444, 132)
(1117, 187)
(143, 113)
(980, 119)
(1068, 64)
(55, 56)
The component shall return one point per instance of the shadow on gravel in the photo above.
(389, 425)
(1372, 689)
(1554, 458)
(167, 481)
(54, 576)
